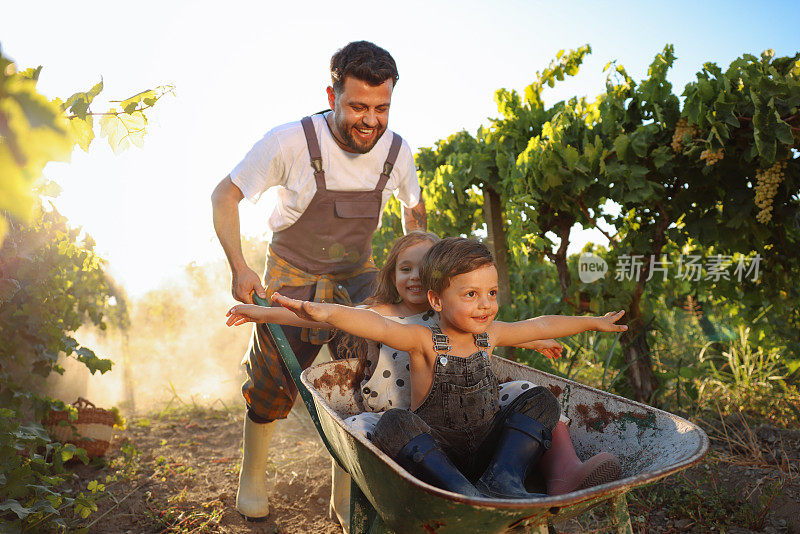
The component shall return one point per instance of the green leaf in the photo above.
(571, 155)
(92, 362)
(783, 132)
(82, 131)
(661, 156)
(720, 131)
(35, 430)
(148, 98)
(31, 73)
(78, 104)
(621, 144)
(764, 126)
(11, 505)
(639, 142)
(724, 112)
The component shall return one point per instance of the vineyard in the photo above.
(695, 190)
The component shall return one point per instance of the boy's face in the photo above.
(469, 303)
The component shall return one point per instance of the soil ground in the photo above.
(178, 472)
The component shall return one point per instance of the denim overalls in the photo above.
(461, 410)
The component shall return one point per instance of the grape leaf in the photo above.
(78, 104)
(122, 129)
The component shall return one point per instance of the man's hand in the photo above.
(311, 311)
(243, 282)
(225, 202)
(606, 322)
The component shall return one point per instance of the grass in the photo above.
(703, 502)
(178, 408)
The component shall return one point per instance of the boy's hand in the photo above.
(241, 314)
(606, 322)
(304, 309)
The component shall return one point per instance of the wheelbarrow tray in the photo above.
(649, 442)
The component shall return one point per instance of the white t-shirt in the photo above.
(281, 159)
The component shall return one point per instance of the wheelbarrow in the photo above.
(650, 443)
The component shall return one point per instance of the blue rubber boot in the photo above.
(423, 458)
(519, 448)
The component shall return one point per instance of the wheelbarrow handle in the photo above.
(290, 360)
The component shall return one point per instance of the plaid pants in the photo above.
(269, 390)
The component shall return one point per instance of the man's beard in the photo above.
(349, 140)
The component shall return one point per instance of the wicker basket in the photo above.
(92, 431)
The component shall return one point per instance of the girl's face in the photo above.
(469, 302)
(406, 276)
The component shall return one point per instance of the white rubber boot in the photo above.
(340, 496)
(251, 497)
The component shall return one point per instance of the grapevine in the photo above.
(681, 129)
(767, 184)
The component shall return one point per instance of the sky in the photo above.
(242, 69)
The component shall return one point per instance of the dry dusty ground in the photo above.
(178, 473)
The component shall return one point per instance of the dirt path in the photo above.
(178, 472)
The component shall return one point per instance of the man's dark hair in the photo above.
(365, 61)
(450, 257)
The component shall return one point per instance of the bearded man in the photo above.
(334, 172)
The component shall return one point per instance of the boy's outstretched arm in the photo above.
(553, 326)
(361, 322)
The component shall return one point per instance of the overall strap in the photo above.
(388, 165)
(441, 342)
(314, 152)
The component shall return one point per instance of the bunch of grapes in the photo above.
(711, 156)
(767, 184)
(681, 129)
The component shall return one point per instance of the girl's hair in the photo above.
(385, 292)
(450, 257)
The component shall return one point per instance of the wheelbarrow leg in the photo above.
(618, 512)
(362, 513)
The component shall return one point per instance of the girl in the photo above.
(502, 444)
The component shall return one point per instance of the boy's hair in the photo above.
(364, 61)
(385, 291)
(450, 257)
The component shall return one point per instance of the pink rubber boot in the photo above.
(564, 472)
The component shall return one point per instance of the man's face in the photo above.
(360, 113)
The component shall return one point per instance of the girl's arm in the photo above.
(361, 322)
(252, 313)
(553, 326)
(549, 347)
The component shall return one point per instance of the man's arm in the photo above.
(415, 218)
(225, 202)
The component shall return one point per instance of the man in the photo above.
(335, 171)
